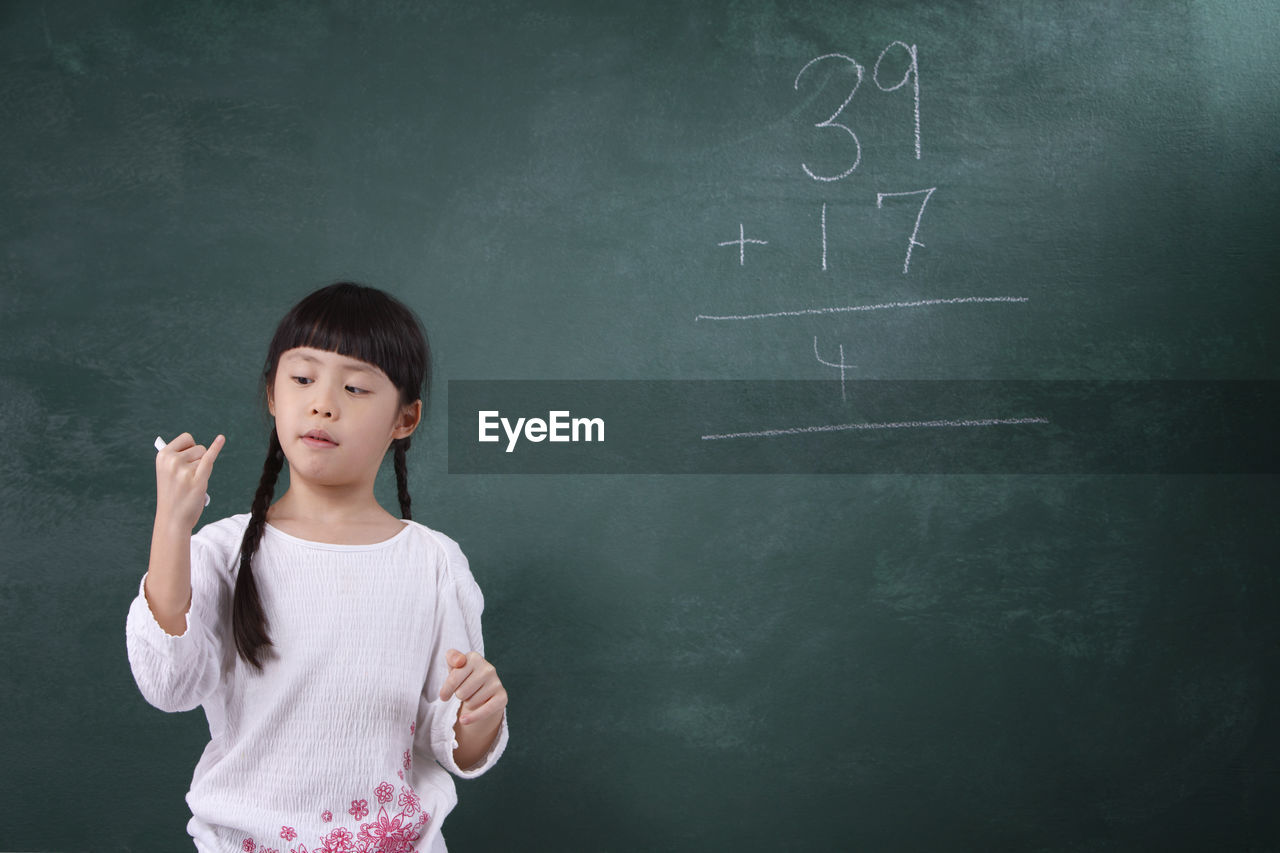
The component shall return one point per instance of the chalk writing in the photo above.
(969, 422)
(741, 243)
(840, 364)
(838, 120)
(831, 121)
(912, 242)
(824, 235)
(919, 303)
(912, 72)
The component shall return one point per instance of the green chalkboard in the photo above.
(898, 659)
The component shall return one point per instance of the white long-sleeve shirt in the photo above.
(341, 742)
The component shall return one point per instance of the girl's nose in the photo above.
(323, 404)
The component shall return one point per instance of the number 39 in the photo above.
(912, 73)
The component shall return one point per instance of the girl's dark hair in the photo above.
(358, 322)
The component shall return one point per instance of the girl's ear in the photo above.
(410, 417)
(271, 401)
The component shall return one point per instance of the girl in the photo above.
(335, 648)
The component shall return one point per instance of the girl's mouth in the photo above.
(319, 438)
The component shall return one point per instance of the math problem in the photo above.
(846, 77)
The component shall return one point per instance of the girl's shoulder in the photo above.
(455, 562)
(220, 540)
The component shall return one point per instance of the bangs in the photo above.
(358, 322)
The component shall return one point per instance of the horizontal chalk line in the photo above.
(839, 310)
(895, 425)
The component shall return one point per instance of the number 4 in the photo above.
(913, 242)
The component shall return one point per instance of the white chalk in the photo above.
(161, 445)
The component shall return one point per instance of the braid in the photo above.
(402, 476)
(248, 621)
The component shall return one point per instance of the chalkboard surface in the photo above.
(675, 191)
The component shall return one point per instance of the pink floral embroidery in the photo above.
(409, 801)
(269, 850)
(400, 773)
(338, 841)
(392, 834)
(412, 727)
(408, 760)
(387, 833)
(248, 846)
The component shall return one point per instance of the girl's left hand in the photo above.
(474, 680)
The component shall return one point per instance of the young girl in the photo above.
(335, 648)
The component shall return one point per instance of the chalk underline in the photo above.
(842, 309)
(893, 425)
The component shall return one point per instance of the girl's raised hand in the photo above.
(474, 680)
(182, 478)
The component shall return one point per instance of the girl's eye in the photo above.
(302, 380)
(357, 391)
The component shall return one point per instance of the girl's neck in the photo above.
(336, 519)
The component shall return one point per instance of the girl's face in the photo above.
(336, 416)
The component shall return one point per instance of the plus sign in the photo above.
(741, 243)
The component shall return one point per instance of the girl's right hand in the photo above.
(182, 478)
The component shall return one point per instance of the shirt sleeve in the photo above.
(458, 610)
(177, 673)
